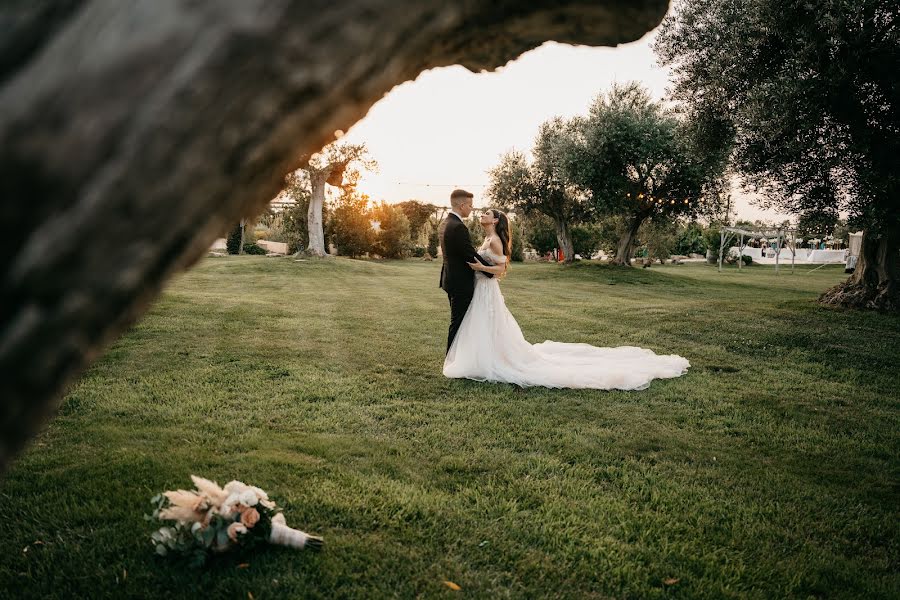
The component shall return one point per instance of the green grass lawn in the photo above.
(770, 470)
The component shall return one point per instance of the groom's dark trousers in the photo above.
(457, 277)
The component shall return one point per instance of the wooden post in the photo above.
(721, 248)
(740, 252)
(777, 250)
(793, 250)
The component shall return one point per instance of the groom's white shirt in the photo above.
(453, 212)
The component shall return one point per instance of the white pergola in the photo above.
(779, 235)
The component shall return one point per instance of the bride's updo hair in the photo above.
(503, 232)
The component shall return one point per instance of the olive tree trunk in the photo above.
(314, 223)
(874, 282)
(625, 247)
(564, 239)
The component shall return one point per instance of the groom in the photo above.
(457, 277)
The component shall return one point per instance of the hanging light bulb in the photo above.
(673, 202)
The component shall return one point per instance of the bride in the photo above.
(489, 345)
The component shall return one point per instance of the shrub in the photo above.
(585, 239)
(475, 230)
(418, 251)
(253, 249)
(690, 240)
(350, 226)
(732, 259)
(518, 239)
(659, 238)
(392, 239)
(418, 214)
(235, 237)
(713, 239)
(541, 233)
(434, 242)
(294, 230)
(541, 236)
(609, 231)
(276, 234)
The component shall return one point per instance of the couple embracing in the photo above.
(485, 342)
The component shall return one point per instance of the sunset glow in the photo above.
(449, 126)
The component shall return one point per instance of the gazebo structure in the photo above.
(778, 235)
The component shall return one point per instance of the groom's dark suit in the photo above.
(457, 277)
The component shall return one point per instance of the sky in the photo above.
(447, 128)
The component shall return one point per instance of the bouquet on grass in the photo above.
(213, 519)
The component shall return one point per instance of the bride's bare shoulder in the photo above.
(496, 246)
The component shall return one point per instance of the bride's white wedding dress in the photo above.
(489, 346)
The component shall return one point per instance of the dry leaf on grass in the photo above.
(452, 586)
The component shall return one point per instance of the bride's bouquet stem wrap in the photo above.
(282, 535)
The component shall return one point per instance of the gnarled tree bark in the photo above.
(875, 283)
(162, 122)
(316, 228)
(332, 174)
(564, 239)
(625, 248)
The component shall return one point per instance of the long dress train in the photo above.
(489, 346)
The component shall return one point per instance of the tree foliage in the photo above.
(659, 238)
(542, 186)
(517, 241)
(294, 218)
(638, 160)
(542, 236)
(392, 237)
(689, 239)
(817, 224)
(809, 91)
(235, 240)
(338, 165)
(419, 215)
(350, 224)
